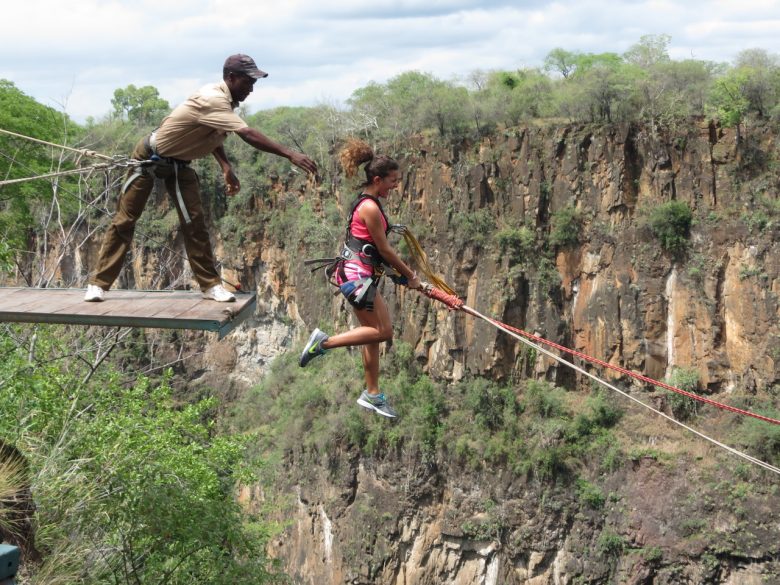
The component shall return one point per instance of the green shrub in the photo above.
(547, 458)
(426, 412)
(543, 399)
(315, 407)
(671, 223)
(761, 438)
(566, 226)
(607, 446)
(492, 406)
(591, 495)
(6, 257)
(756, 221)
(604, 411)
(683, 407)
(473, 228)
(548, 279)
(516, 243)
(692, 526)
(653, 554)
(601, 414)
(746, 272)
(610, 544)
(491, 527)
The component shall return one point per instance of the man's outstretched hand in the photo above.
(232, 184)
(301, 160)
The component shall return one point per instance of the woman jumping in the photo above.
(359, 268)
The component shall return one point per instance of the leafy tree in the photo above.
(588, 61)
(130, 488)
(650, 51)
(686, 85)
(562, 61)
(648, 58)
(419, 101)
(141, 105)
(21, 158)
(751, 86)
(478, 106)
(761, 81)
(310, 130)
(602, 89)
(477, 79)
(524, 94)
(446, 109)
(412, 102)
(371, 104)
(520, 95)
(728, 99)
(408, 94)
(112, 135)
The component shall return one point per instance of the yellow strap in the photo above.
(421, 260)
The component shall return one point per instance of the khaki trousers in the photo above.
(119, 235)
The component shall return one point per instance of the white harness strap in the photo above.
(179, 199)
(138, 172)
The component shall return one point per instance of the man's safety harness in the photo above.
(156, 160)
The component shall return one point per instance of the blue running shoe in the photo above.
(377, 403)
(313, 347)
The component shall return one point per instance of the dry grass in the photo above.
(13, 481)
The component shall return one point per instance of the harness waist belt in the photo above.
(366, 250)
(151, 143)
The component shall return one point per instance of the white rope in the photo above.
(112, 161)
(559, 359)
(79, 171)
(81, 151)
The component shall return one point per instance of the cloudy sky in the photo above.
(72, 55)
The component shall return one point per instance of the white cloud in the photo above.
(80, 52)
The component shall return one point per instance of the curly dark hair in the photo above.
(356, 152)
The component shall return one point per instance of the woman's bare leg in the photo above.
(375, 327)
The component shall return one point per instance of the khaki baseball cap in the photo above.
(241, 63)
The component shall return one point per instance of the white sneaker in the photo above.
(94, 294)
(219, 293)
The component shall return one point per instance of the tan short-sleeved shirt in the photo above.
(199, 125)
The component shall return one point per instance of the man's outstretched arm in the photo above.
(261, 142)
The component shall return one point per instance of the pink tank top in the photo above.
(358, 228)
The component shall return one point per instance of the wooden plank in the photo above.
(141, 306)
(158, 309)
(81, 307)
(241, 312)
(16, 299)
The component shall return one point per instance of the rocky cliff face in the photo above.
(615, 295)
(405, 523)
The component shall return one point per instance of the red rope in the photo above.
(453, 302)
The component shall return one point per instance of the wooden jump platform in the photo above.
(175, 309)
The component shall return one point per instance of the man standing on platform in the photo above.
(195, 129)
